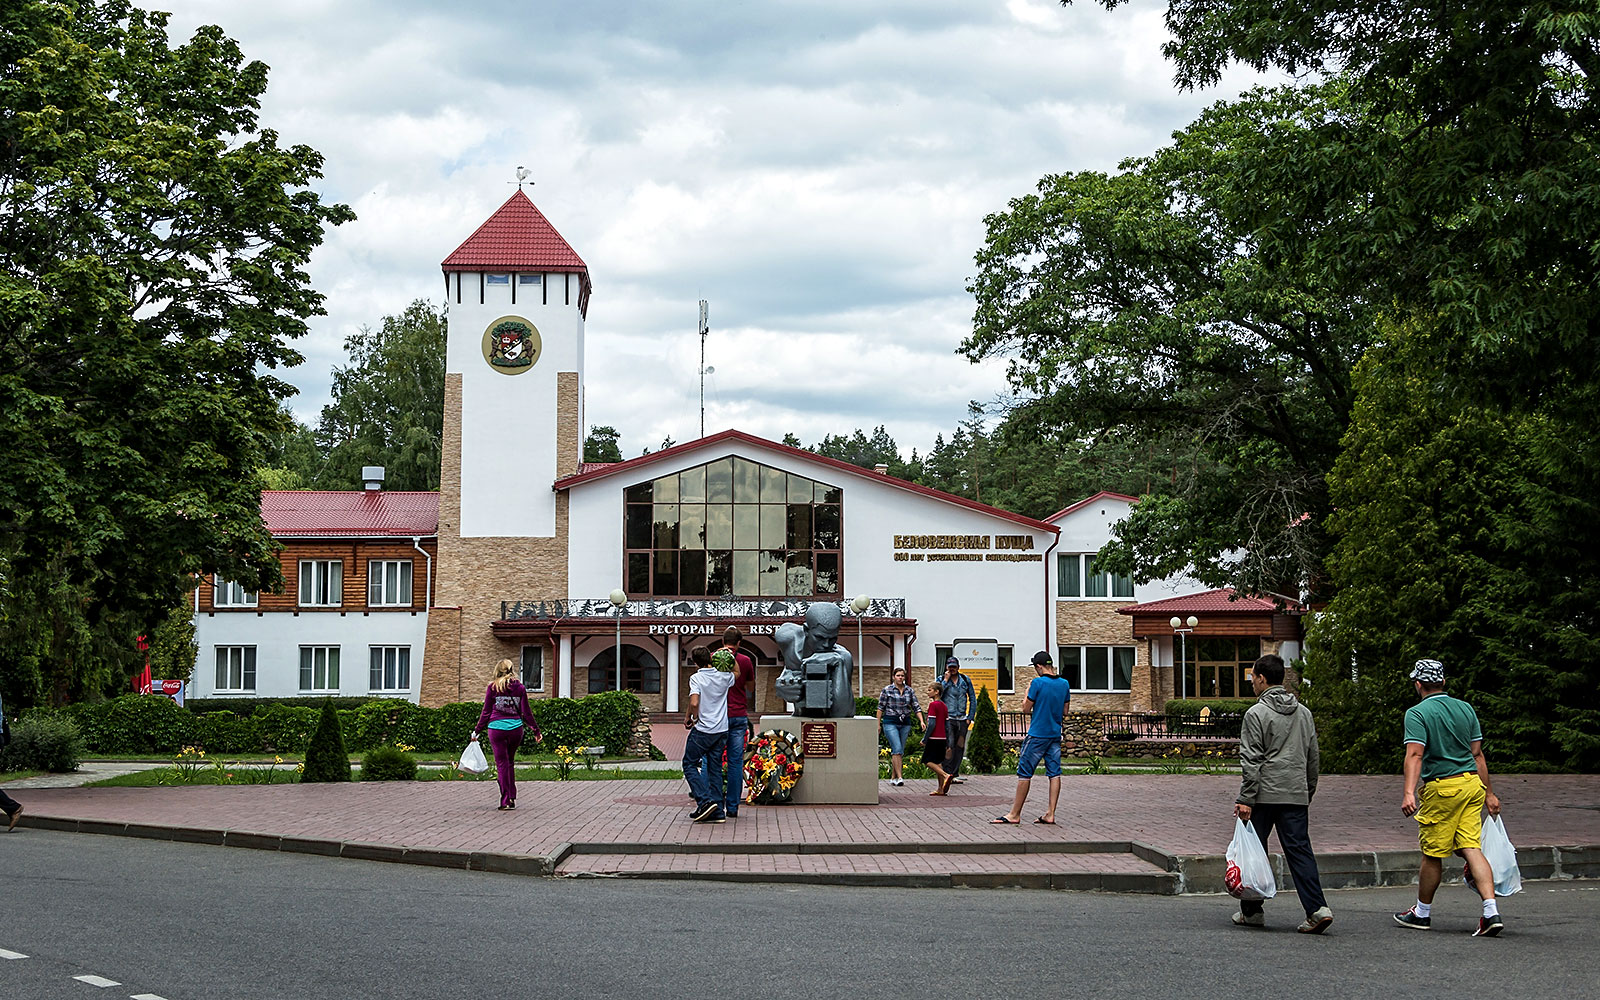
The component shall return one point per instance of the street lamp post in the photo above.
(1178, 626)
(859, 606)
(619, 599)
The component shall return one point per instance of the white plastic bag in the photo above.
(1249, 874)
(1502, 857)
(472, 759)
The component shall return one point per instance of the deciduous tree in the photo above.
(153, 243)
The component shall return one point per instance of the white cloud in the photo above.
(820, 172)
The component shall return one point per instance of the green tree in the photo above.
(1444, 509)
(173, 651)
(984, 747)
(388, 404)
(1172, 308)
(153, 243)
(293, 458)
(326, 758)
(602, 445)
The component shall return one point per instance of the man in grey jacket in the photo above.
(1278, 761)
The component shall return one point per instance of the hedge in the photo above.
(1224, 706)
(152, 724)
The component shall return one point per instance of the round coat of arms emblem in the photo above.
(511, 345)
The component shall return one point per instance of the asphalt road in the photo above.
(185, 922)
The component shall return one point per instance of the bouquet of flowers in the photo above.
(772, 766)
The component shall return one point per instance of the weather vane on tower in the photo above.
(522, 175)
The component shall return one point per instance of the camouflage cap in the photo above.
(1428, 672)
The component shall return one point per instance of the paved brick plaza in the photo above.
(641, 827)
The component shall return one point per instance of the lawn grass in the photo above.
(288, 775)
(6, 776)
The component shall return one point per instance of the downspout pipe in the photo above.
(427, 593)
(1049, 605)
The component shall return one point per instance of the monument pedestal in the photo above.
(841, 758)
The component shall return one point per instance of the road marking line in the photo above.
(146, 996)
(11, 954)
(100, 981)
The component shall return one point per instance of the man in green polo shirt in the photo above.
(1444, 750)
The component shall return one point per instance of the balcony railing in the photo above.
(709, 607)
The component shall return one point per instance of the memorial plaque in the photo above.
(819, 739)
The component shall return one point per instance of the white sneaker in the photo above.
(1252, 920)
(896, 781)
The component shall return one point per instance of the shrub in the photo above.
(326, 759)
(1225, 706)
(388, 763)
(984, 748)
(224, 732)
(604, 719)
(255, 706)
(43, 742)
(285, 728)
(133, 724)
(452, 724)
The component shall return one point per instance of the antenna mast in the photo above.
(704, 329)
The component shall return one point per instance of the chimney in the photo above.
(881, 469)
(372, 477)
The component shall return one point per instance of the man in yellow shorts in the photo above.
(1444, 750)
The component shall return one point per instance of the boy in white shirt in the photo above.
(708, 732)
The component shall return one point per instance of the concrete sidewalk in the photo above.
(1135, 833)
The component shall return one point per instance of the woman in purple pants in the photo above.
(506, 713)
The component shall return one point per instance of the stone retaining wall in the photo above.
(1083, 735)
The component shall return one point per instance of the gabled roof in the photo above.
(349, 513)
(1086, 501)
(1222, 601)
(643, 461)
(517, 237)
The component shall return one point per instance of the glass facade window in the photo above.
(236, 668)
(319, 668)
(390, 668)
(641, 672)
(733, 527)
(1219, 667)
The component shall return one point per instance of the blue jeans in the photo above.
(738, 729)
(702, 765)
(896, 735)
(1035, 748)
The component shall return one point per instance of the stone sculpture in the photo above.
(816, 673)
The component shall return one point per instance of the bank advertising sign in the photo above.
(980, 661)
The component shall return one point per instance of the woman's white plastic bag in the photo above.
(1502, 857)
(1249, 874)
(472, 759)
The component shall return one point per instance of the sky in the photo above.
(818, 171)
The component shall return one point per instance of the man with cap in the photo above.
(959, 698)
(1444, 750)
(1048, 699)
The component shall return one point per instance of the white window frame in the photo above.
(321, 578)
(378, 583)
(227, 594)
(244, 663)
(522, 665)
(309, 666)
(1083, 667)
(386, 664)
(1088, 577)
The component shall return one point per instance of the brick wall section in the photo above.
(475, 574)
(354, 554)
(1096, 623)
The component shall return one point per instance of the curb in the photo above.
(1202, 873)
(1181, 874)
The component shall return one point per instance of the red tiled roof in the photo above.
(517, 237)
(592, 466)
(349, 513)
(1086, 501)
(1225, 600)
(585, 475)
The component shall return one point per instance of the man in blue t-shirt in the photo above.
(1048, 699)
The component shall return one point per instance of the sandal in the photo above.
(1002, 821)
(1045, 822)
